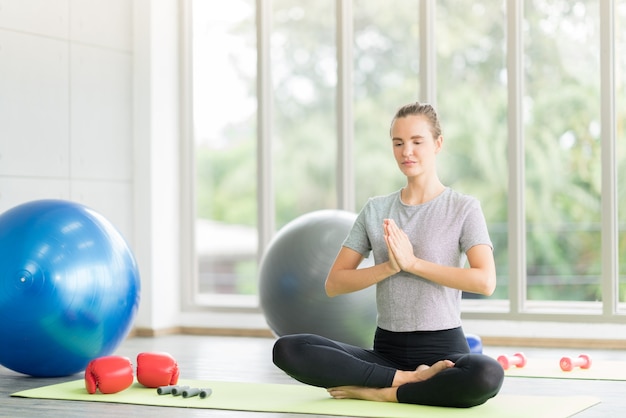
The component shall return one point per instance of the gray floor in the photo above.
(249, 359)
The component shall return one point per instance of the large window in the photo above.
(472, 101)
(543, 190)
(224, 115)
(304, 78)
(563, 150)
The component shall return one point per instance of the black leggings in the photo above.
(318, 361)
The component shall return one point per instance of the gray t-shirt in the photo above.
(441, 231)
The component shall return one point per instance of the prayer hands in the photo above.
(400, 248)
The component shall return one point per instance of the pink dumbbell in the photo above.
(517, 360)
(567, 364)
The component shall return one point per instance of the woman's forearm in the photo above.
(347, 280)
(473, 280)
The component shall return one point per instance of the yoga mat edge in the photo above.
(298, 398)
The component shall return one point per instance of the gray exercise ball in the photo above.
(292, 273)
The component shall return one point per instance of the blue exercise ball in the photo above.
(69, 288)
(292, 273)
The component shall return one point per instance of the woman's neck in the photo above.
(417, 194)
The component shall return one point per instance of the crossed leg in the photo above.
(388, 394)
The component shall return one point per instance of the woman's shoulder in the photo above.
(460, 196)
(460, 200)
(380, 204)
(383, 200)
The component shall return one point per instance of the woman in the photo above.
(421, 237)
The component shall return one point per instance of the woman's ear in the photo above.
(438, 144)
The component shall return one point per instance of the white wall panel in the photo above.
(156, 168)
(101, 113)
(69, 126)
(34, 106)
(14, 191)
(41, 17)
(103, 23)
(113, 200)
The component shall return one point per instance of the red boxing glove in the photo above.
(156, 369)
(110, 374)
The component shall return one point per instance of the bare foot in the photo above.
(422, 373)
(363, 393)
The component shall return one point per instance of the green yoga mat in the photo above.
(549, 368)
(302, 399)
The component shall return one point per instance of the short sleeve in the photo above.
(358, 239)
(475, 231)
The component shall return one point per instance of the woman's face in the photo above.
(414, 147)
